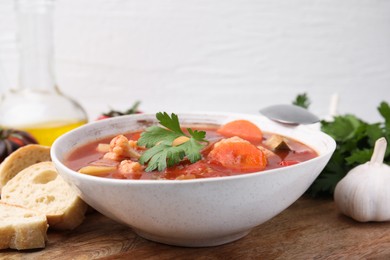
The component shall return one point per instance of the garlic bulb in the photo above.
(364, 193)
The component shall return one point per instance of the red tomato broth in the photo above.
(86, 154)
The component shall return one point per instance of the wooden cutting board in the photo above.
(309, 229)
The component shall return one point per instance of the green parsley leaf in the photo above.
(156, 155)
(302, 100)
(171, 123)
(359, 157)
(197, 135)
(342, 128)
(384, 110)
(191, 149)
(152, 136)
(374, 132)
(161, 154)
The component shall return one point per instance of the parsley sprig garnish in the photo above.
(162, 153)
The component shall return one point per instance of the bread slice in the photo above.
(40, 188)
(22, 158)
(21, 228)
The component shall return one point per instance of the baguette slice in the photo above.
(21, 228)
(40, 188)
(22, 158)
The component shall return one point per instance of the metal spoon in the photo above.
(289, 114)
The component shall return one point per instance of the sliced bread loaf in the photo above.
(39, 187)
(21, 228)
(22, 158)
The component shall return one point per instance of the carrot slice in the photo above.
(238, 154)
(242, 128)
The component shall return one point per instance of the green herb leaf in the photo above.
(191, 149)
(342, 128)
(161, 154)
(384, 110)
(153, 135)
(359, 157)
(171, 123)
(157, 157)
(374, 132)
(197, 135)
(302, 100)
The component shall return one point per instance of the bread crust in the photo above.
(21, 228)
(21, 159)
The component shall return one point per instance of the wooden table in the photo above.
(309, 229)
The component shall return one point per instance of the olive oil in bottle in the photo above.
(37, 105)
(46, 133)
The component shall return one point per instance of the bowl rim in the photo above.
(59, 164)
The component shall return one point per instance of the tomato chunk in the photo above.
(242, 128)
(238, 154)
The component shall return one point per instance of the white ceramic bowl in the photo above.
(200, 212)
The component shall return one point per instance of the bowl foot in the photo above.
(192, 242)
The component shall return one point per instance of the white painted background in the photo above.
(231, 55)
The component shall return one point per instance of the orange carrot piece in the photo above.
(242, 128)
(238, 154)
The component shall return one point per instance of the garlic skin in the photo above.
(364, 193)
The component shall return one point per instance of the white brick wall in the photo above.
(230, 55)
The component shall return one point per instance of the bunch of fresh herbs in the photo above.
(355, 141)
